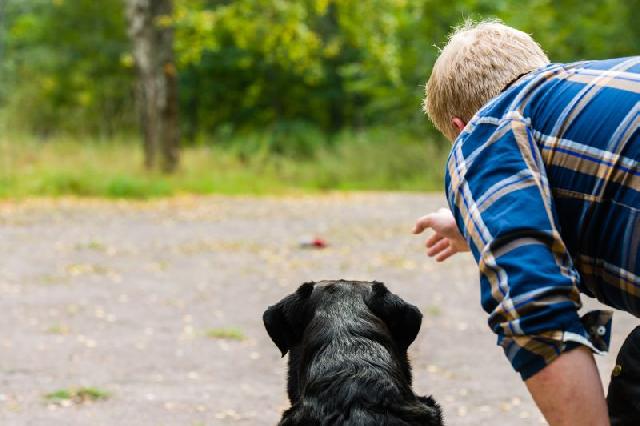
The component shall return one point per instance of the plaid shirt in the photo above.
(544, 183)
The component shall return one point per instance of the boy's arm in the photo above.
(569, 392)
(501, 200)
(498, 192)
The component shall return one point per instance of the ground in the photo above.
(159, 305)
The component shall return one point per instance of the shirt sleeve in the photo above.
(498, 191)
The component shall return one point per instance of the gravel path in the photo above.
(130, 298)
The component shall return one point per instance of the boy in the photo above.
(543, 183)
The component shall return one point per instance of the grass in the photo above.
(58, 329)
(76, 396)
(433, 310)
(381, 159)
(90, 245)
(225, 333)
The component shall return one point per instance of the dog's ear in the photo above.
(402, 318)
(285, 321)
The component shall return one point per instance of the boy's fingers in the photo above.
(423, 223)
(433, 239)
(445, 254)
(438, 248)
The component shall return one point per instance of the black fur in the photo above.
(347, 343)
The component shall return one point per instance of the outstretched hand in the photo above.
(446, 240)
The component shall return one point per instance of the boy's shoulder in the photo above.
(543, 98)
(562, 80)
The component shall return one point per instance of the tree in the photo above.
(65, 67)
(152, 34)
(274, 67)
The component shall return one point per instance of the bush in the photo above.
(373, 159)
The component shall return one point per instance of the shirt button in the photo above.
(602, 330)
(616, 370)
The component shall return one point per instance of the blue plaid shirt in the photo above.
(544, 183)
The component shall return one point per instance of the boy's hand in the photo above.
(447, 240)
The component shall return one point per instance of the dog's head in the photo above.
(352, 326)
(287, 320)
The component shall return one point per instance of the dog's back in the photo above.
(348, 356)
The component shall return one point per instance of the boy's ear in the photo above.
(284, 321)
(402, 319)
(458, 124)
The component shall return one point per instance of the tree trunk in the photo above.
(151, 33)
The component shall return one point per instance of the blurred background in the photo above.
(118, 310)
(246, 96)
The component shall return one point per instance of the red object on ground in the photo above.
(319, 243)
(315, 243)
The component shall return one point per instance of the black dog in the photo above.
(348, 365)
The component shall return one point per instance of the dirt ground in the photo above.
(131, 298)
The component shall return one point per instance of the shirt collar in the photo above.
(509, 84)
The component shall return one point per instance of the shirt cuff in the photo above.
(597, 324)
(531, 353)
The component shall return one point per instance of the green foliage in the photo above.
(129, 187)
(376, 159)
(76, 396)
(58, 329)
(63, 69)
(256, 74)
(312, 60)
(572, 30)
(226, 333)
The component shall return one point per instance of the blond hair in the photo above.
(479, 60)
